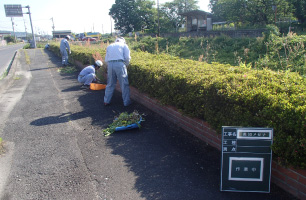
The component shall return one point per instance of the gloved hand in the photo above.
(98, 80)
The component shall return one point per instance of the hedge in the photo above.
(224, 95)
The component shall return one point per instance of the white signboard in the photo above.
(13, 10)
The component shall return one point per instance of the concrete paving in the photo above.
(55, 148)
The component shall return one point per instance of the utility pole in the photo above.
(53, 27)
(34, 42)
(275, 13)
(13, 25)
(158, 31)
(111, 25)
(25, 27)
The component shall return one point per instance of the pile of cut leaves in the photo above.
(67, 70)
(123, 120)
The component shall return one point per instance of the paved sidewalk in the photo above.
(56, 149)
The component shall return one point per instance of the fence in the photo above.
(230, 33)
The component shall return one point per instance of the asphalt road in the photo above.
(6, 55)
(56, 150)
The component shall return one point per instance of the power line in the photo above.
(42, 19)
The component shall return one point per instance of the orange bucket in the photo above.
(97, 86)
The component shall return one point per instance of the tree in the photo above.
(300, 10)
(9, 38)
(255, 12)
(171, 10)
(132, 15)
(229, 10)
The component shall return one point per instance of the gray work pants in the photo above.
(64, 57)
(117, 71)
(87, 79)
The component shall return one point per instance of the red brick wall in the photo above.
(291, 180)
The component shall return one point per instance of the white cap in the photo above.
(99, 63)
(68, 37)
(120, 39)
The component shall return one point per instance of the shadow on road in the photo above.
(169, 163)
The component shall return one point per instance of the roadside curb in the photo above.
(5, 164)
(11, 69)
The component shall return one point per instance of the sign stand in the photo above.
(34, 41)
(246, 159)
(12, 10)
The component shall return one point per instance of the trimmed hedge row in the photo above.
(79, 53)
(85, 55)
(224, 95)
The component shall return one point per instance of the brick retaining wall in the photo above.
(291, 180)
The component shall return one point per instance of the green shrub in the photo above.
(270, 51)
(9, 39)
(27, 46)
(271, 32)
(221, 49)
(285, 53)
(85, 55)
(225, 95)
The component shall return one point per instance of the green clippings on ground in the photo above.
(124, 119)
(17, 78)
(67, 70)
(27, 57)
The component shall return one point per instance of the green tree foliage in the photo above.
(171, 10)
(299, 10)
(9, 39)
(132, 15)
(256, 12)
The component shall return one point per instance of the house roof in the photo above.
(5, 32)
(62, 32)
(195, 13)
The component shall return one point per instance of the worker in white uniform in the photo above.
(64, 46)
(88, 74)
(117, 59)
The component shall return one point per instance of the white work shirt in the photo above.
(65, 45)
(118, 51)
(88, 70)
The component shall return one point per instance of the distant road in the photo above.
(6, 55)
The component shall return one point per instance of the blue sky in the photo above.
(89, 15)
